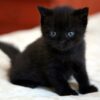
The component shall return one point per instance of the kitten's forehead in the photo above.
(62, 17)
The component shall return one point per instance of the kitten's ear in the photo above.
(82, 14)
(44, 11)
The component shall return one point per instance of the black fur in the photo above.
(10, 50)
(58, 54)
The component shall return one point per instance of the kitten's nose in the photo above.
(62, 42)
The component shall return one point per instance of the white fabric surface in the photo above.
(21, 39)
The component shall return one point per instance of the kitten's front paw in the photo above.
(68, 92)
(72, 92)
(88, 89)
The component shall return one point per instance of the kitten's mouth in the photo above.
(61, 48)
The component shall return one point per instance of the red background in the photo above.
(23, 14)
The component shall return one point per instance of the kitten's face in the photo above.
(63, 28)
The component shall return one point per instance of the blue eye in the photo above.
(52, 34)
(70, 34)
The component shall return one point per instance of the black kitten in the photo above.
(58, 54)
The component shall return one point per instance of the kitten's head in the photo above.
(63, 27)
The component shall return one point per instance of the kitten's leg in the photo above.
(25, 83)
(21, 73)
(58, 82)
(81, 76)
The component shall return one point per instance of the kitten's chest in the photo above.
(65, 57)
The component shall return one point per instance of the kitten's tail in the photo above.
(9, 50)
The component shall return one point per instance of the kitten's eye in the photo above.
(70, 34)
(52, 34)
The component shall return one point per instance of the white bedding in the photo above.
(21, 39)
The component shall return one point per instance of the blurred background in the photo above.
(23, 14)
